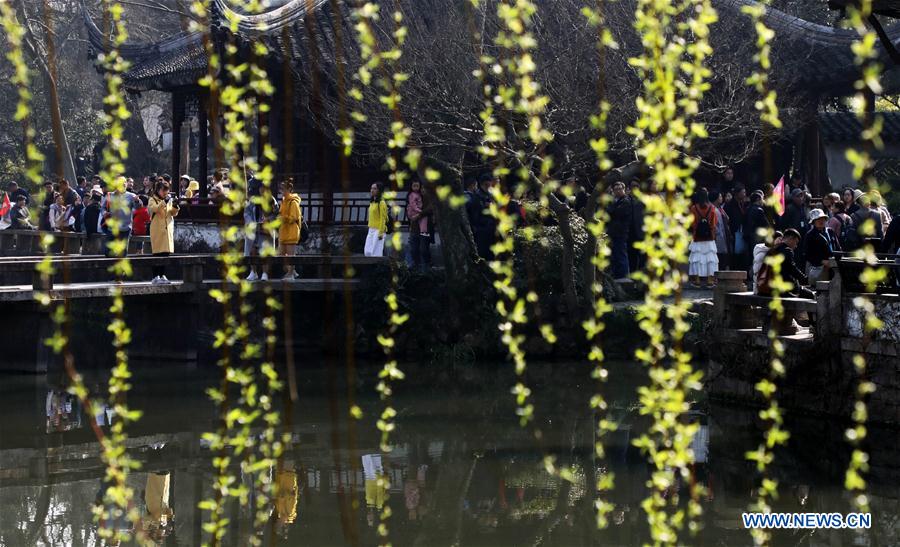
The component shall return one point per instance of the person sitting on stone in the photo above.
(789, 270)
(19, 217)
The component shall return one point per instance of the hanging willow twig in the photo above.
(117, 499)
(775, 434)
(867, 87)
(402, 160)
(595, 326)
(675, 38)
(118, 462)
(239, 98)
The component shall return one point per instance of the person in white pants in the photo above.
(379, 217)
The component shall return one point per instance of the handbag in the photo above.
(304, 232)
(389, 224)
(740, 246)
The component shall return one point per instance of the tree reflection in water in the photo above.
(462, 472)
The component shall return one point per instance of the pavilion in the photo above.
(304, 38)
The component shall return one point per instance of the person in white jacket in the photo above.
(759, 255)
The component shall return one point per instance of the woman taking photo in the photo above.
(163, 210)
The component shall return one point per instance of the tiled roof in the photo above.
(811, 57)
(884, 7)
(846, 127)
(170, 69)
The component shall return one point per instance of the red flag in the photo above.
(779, 196)
(6, 206)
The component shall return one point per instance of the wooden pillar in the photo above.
(815, 175)
(177, 119)
(184, 166)
(203, 144)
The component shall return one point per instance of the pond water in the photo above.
(462, 471)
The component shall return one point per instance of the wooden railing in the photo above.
(192, 267)
(28, 243)
(316, 211)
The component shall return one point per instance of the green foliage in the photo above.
(775, 434)
(673, 68)
(383, 66)
(595, 325)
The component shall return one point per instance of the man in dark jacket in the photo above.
(618, 229)
(636, 257)
(736, 210)
(892, 238)
(789, 270)
(92, 212)
(795, 214)
(755, 220)
(13, 190)
(863, 214)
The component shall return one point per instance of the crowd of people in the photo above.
(729, 227)
(150, 209)
(731, 231)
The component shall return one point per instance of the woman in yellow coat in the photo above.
(379, 217)
(291, 219)
(163, 210)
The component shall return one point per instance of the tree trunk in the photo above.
(464, 269)
(64, 166)
(564, 217)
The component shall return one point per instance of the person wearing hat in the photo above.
(183, 182)
(820, 244)
(855, 195)
(795, 214)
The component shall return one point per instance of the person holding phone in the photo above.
(163, 209)
(291, 221)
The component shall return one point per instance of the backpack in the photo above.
(763, 279)
(847, 232)
(703, 230)
(389, 225)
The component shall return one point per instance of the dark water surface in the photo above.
(462, 470)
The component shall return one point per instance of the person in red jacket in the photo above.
(141, 219)
(703, 261)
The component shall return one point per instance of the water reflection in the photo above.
(462, 470)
